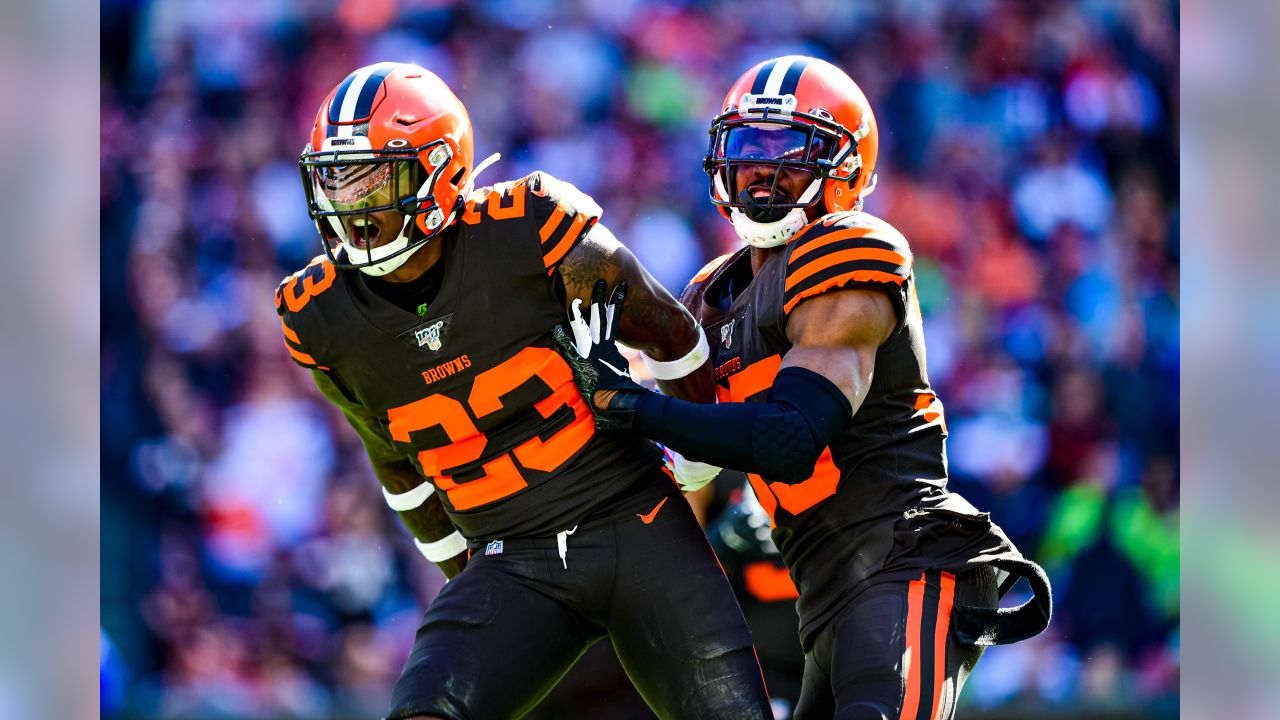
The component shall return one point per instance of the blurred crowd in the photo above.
(1028, 153)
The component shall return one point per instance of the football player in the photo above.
(819, 354)
(427, 321)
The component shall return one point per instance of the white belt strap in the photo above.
(442, 549)
(676, 369)
(409, 500)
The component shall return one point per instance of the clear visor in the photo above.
(765, 141)
(365, 186)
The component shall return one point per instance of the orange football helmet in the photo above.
(391, 136)
(797, 114)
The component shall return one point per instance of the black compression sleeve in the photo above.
(780, 439)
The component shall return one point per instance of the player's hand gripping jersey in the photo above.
(876, 507)
(472, 390)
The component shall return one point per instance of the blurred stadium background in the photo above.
(1029, 153)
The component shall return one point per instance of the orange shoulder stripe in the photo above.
(552, 223)
(834, 237)
(855, 276)
(570, 236)
(844, 256)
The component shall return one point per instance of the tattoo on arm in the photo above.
(652, 321)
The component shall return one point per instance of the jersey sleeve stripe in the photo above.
(303, 359)
(857, 276)
(289, 333)
(834, 237)
(551, 224)
(851, 256)
(571, 236)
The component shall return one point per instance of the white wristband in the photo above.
(676, 369)
(442, 549)
(409, 500)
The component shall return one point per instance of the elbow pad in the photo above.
(808, 411)
(783, 447)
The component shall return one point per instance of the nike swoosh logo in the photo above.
(648, 517)
(622, 373)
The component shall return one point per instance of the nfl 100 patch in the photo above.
(429, 335)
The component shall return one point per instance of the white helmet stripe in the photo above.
(351, 99)
(780, 69)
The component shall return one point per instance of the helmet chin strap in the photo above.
(394, 261)
(394, 251)
(778, 232)
(484, 164)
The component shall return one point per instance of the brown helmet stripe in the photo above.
(762, 77)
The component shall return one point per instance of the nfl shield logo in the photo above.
(726, 334)
(430, 336)
(493, 548)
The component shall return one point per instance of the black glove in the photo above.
(592, 351)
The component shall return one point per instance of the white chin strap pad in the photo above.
(778, 232)
(767, 235)
(373, 255)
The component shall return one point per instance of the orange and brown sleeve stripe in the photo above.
(924, 660)
(843, 257)
(294, 345)
(560, 233)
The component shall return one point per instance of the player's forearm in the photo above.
(403, 487)
(678, 358)
(655, 323)
(780, 439)
(698, 386)
(430, 524)
(421, 511)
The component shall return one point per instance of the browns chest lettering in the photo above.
(446, 369)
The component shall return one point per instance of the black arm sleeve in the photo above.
(780, 439)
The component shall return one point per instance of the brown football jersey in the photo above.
(473, 392)
(877, 506)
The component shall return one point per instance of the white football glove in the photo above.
(690, 475)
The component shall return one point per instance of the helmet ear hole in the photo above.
(457, 178)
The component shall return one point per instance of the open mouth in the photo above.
(764, 193)
(363, 232)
